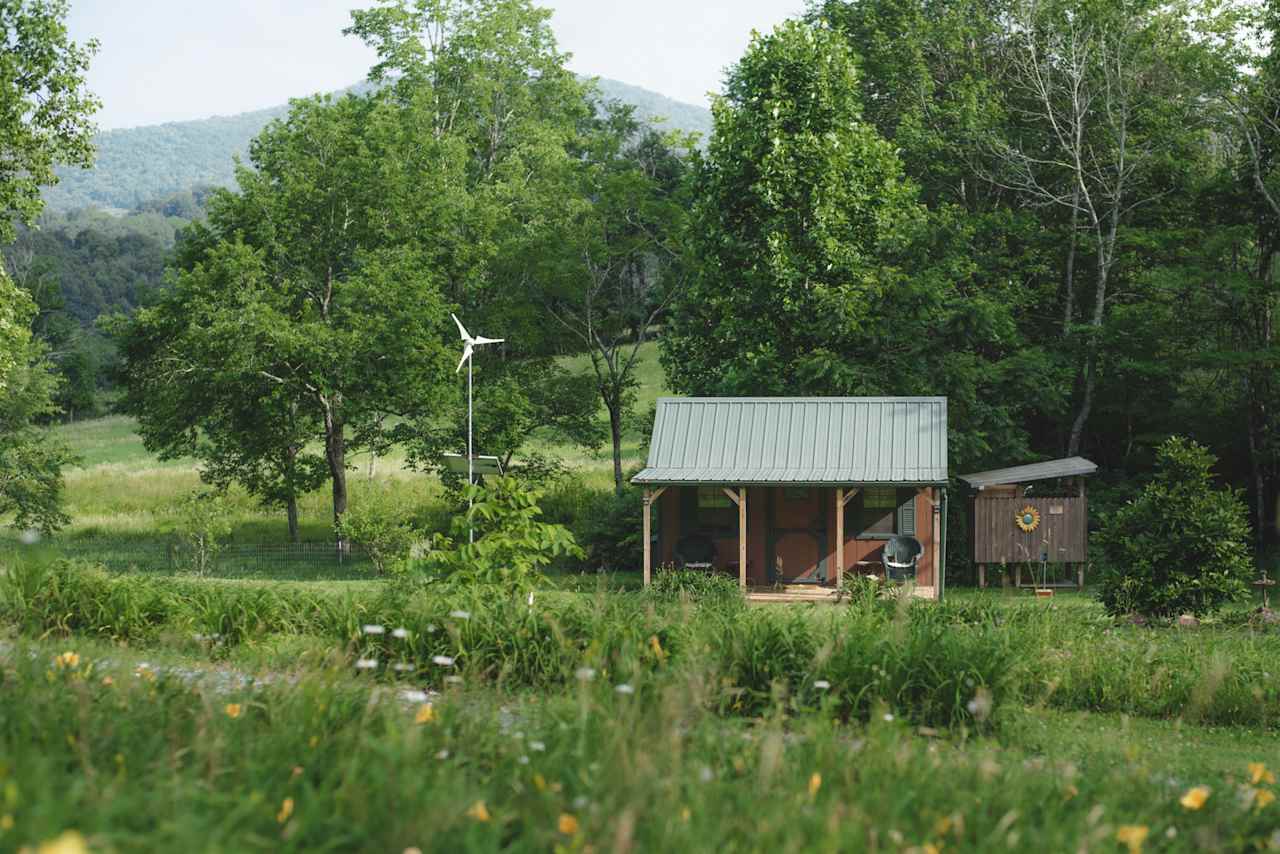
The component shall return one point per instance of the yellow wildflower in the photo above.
(108, 681)
(70, 842)
(656, 646)
(1132, 835)
(313, 741)
(286, 810)
(815, 783)
(568, 825)
(1261, 798)
(539, 782)
(68, 660)
(233, 710)
(930, 848)
(426, 714)
(685, 815)
(479, 811)
(6, 822)
(1258, 773)
(942, 826)
(1195, 797)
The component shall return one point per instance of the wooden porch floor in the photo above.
(813, 593)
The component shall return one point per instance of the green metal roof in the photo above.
(798, 440)
(1067, 467)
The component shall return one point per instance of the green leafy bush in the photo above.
(673, 583)
(202, 523)
(512, 544)
(610, 530)
(1181, 546)
(383, 526)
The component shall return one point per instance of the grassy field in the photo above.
(146, 709)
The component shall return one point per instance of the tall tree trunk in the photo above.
(335, 453)
(1069, 298)
(615, 432)
(291, 508)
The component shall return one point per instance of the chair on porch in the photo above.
(901, 554)
(695, 551)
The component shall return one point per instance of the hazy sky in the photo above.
(169, 60)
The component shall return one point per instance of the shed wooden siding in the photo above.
(998, 539)
(855, 550)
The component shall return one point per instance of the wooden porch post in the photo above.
(650, 496)
(935, 508)
(839, 535)
(842, 499)
(739, 497)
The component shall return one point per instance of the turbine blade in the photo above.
(462, 330)
(481, 340)
(466, 354)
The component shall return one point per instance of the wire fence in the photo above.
(292, 561)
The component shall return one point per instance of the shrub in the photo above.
(512, 544)
(383, 526)
(673, 583)
(611, 532)
(202, 522)
(1181, 545)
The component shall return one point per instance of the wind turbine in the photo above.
(469, 344)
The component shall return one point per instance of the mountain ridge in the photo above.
(139, 164)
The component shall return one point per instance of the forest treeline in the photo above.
(137, 165)
(1064, 217)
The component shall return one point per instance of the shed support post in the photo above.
(839, 536)
(650, 496)
(982, 575)
(739, 496)
(936, 568)
(648, 533)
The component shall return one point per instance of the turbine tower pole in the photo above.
(471, 462)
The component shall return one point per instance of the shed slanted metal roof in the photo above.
(798, 440)
(1067, 467)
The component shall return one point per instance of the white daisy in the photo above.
(443, 660)
(372, 629)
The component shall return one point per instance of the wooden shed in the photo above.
(1031, 516)
(793, 493)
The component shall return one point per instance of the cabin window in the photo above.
(880, 512)
(713, 498)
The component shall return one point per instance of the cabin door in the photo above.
(797, 535)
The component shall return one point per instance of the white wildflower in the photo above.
(822, 684)
(443, 660)
(888, 716)
(624, 688)
(538, 746)
(580, 802)
(460, 615)
(706, 775)
(523, 760)
(414, 696)
(372, 629)
(453, 680)
(400, 633)
(402, 667)
(366, 663)
(444, 754)
(585, 674)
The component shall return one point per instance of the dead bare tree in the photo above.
(1076, 83)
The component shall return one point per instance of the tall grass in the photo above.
(321, 763)
(751, 660)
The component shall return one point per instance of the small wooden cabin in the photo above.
(796, 491)
(1019, 520)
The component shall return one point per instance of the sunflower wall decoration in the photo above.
(1028, 519)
